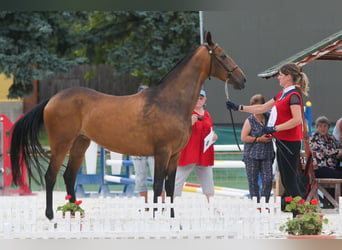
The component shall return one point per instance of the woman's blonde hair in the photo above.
(299, 78)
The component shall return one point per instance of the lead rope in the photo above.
(231, 114)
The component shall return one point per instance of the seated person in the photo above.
(326, 152)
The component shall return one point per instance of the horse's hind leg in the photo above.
(76, 157)
(50, 177)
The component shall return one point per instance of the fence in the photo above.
(131, 218)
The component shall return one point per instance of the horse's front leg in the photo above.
(158, 182)
(170, 179)
(161, 160)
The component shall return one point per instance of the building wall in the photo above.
(259, 36)
(5, 83)
(11, 108)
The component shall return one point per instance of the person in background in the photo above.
(326, 150)
(285, 124)
(258, 154)
(337, 132)
(141, 166)
(327, 153)
(193, 156)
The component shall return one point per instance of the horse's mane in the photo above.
(173, 72)
(151, 100)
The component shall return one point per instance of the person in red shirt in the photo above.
(198, 154)
(285, 124)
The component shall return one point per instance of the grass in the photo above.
(43, 138)
(233, 178)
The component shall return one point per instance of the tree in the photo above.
(33, 45)
(146, 44)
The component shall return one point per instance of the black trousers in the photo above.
(326, 172)
(287, 158)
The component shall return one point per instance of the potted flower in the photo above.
(71, 207)
(308, 224)
(306, 221)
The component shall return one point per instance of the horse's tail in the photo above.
(25, 145)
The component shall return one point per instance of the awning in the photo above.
(329, 48)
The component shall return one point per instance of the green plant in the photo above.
(298, 205)
(310, 223)
(71, 207)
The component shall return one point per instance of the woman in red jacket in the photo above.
(285, 124)
(196, 155)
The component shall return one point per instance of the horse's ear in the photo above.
(208, 38)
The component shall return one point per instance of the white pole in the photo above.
(200, 16)
(201, 25)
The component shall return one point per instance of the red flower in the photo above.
(301, 202)
(78, 202)
(68, 197)
(288, 199)
(314, 202)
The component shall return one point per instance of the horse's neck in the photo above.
(187, 85)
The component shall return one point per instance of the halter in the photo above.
(212, 54)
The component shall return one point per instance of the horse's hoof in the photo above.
(49, 215)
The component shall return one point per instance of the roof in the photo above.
(329, 48)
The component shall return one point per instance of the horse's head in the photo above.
(222, 66)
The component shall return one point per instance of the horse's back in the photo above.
(78, 98)
(105, 119)
(119, 123)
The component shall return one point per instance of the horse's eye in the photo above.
(223, 56)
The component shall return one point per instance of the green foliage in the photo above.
(145, 44)
(71, 207)
(34, 45)
(308, 224)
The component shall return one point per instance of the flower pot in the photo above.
(319, 236)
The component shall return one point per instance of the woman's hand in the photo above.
(215, 137)
(232, 105)
(264, 138)
(339, 155)
(194, 118)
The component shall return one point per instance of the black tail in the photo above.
(25, 145)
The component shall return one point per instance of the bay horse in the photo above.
(154, 122)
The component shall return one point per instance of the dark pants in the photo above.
(325, 172)
(287, 158)
(264, 168)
